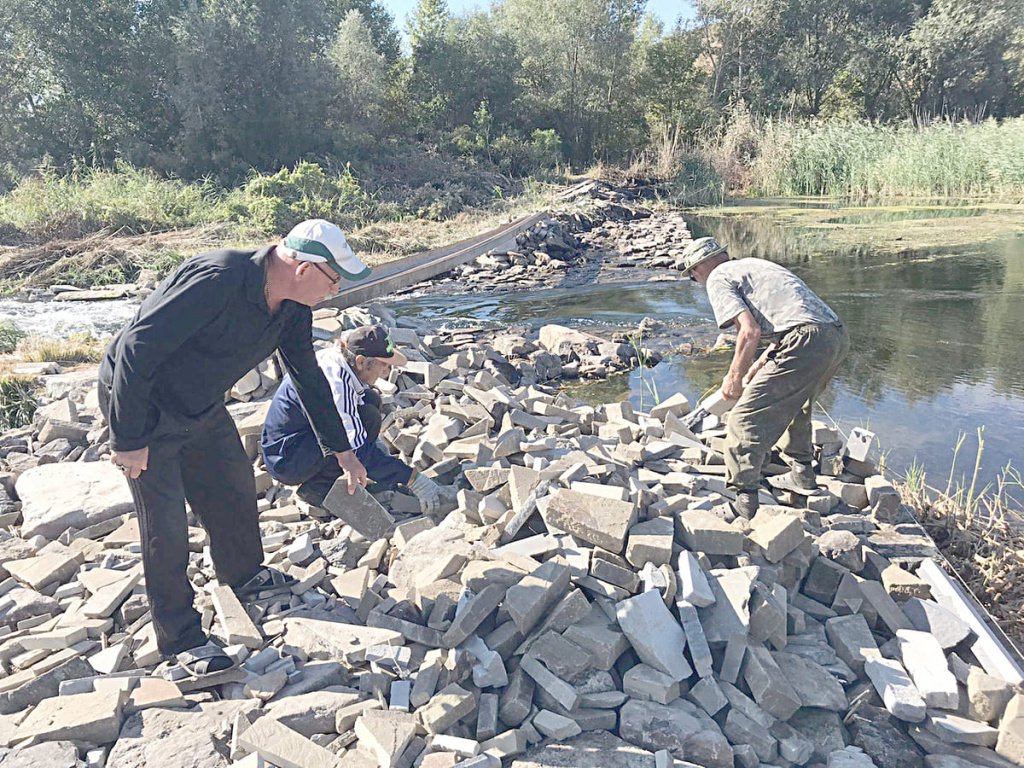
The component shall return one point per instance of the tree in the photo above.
(952, 61)
(88, 75)
(363, 74)
(741, 40)
(456, 64)
(379, 22)
(253, 86)
(819, 38)
(674, 87)
(429, 21)
(576, 67)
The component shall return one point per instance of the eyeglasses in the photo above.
(335, 279)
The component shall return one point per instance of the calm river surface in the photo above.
(938, 332)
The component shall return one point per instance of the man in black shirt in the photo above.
(162, 385)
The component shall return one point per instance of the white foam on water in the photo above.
(64, 318)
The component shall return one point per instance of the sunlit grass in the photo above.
(78, 348)
(857, 159)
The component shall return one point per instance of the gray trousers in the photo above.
(776, 405)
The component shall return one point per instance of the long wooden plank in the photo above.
(401, 273)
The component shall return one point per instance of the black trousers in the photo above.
(199, 459)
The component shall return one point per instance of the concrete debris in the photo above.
(584, 598)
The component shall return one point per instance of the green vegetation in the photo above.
(10, 335)
(856, 159)
(138, 120)
(980, 530)
(127, 199)
(523, 88)
(17, 402)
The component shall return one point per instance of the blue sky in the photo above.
(666, 10)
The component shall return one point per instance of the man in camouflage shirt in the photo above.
(774, 395)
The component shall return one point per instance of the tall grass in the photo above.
(682, 173)
(17, 402)
(46, 206)
(980, 531)
(78, 348)
(857, 159)
(129, 200)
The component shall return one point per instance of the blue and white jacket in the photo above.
(290, 448)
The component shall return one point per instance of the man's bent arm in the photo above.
(747, 339)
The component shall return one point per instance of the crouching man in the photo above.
(290, 449)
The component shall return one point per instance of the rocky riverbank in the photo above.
(586, 599)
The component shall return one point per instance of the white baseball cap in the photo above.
(322, 242)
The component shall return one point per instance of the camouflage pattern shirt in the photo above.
(778, 299)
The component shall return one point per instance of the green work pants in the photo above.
(775, 406)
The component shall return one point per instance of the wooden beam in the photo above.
(401, 273)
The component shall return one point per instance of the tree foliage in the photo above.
(220, 88)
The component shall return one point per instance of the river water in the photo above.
(937, 330)
(937, 333)
(65, 318)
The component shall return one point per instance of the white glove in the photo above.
(428, 492)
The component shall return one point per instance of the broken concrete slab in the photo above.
(944, 625)
(705, 532)
(445, 708)
(730, 614)
(235, 624)
(94, 718)
(777, 533)
(924, 659)
(768, 683)
(601, 522)
(813, 684)
(280, 745)
(598, 749)
(650, 542)
(360, 510)
(654, 633)
(535, 593)
(896, 689)
(56, 497)
(323, 639)
(385, 734)
(693, 582)
(657, 726)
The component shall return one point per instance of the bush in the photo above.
(275, 203)
(696, 182)
(17, 402)
(511, 154)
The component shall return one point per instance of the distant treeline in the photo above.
(220, 87)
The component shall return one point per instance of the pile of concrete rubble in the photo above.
(587, 599)
(598, 223)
